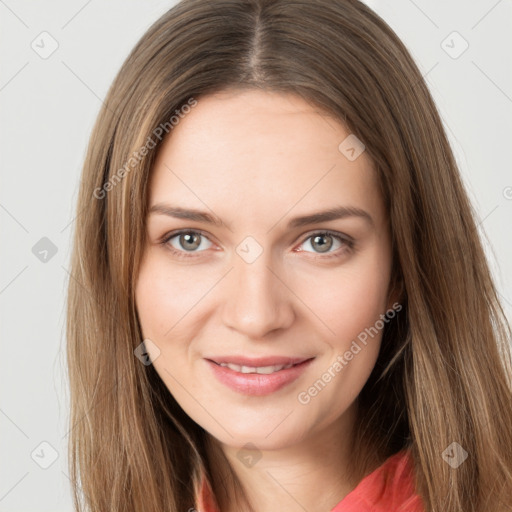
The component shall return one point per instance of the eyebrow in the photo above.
(335, 213)
(187, 213)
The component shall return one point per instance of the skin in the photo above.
(257, 159)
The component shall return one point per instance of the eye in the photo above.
(323, 241)
(186, 241)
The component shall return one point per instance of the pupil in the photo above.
(188, 239)
(324, 247)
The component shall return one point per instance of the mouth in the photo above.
(257, 376)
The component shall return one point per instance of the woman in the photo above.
(279, 298)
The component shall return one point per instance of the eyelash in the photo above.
(348, 243)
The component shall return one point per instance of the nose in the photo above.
(257, 299)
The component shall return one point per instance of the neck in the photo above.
(290, 478)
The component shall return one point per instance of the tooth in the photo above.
(267, 369)
(264, 370)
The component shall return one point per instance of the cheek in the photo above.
(166, 301)
(164, 297)
(347, 300)
(351, 307)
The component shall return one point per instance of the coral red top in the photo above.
(390, 488)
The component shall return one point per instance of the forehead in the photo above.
(263, 153)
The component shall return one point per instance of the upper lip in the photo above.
(256, 362)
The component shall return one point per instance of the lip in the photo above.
(257, 384)
(258, 361)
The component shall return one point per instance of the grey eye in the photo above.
(188, 241)
(323, 243)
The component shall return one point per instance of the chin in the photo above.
(265, 434)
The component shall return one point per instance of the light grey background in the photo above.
(48, 107)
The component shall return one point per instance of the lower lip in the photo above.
(257, 384)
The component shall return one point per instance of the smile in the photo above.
(258, 379)
(264, 370)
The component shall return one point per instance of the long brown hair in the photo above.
(443, 373)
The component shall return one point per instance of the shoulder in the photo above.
(390, 488)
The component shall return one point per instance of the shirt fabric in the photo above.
(389, 488)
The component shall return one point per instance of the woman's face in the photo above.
(253, 280)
